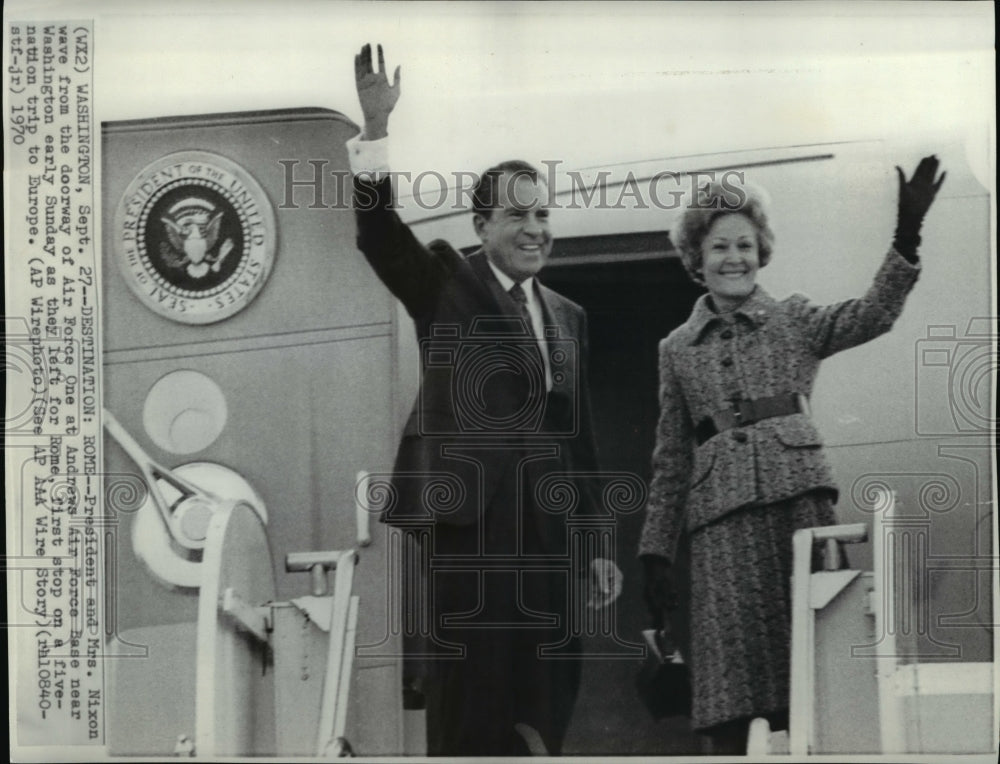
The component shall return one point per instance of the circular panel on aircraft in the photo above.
(185, 412)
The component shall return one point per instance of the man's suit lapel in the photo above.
(556, 311)
(502, 301)
(558, 315)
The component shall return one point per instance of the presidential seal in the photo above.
(194, 237)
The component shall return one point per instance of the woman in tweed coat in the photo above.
(738, 464)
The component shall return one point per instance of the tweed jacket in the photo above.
(767, 347)
(451, 466)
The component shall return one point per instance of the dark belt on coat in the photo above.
(747, 411)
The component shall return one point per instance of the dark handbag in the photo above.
(663, 682)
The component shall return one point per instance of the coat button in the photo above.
(727, 361)
(727, 334)
(739, 436)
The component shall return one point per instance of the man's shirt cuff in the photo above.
(369, 159)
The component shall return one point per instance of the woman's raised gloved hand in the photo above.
(915, 197)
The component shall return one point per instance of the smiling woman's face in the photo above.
(730, 260)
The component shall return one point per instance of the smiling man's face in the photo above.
(516, 236)
(730, 260)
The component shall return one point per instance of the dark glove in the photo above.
(658, 589)
(915, 198)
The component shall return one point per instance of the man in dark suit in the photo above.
(497, 461)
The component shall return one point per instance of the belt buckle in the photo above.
(739, 415)
(803, 402)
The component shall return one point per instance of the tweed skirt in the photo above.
(741, 569)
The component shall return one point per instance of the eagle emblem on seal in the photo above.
(192, 226)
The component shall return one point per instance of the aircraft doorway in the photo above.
(633, 298)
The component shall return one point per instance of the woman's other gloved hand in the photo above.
(658, 589)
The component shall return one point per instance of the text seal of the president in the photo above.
(195, 237)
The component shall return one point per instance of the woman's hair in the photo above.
(712, 202)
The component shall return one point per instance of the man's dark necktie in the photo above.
(518, 296)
